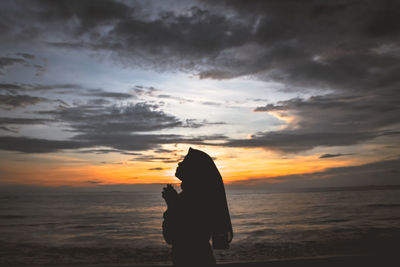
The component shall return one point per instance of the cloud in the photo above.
(295, 141)
(128, 31)
(22, 58)
(73, 89)
(93, 119)
(323, 47)
(152, 158)
(107, 151)
(156, 169)
(24, 87)
(35, 145)
(7, 129)
(140, 90)
(87, 13)
(266, 42)
(376, 173)
(15, 101)
(120, 129)
(329, 120)
(117, 142)
(7, 124)
(6, 62)
(141, 142)
(194, 123)
(23, 121)
(94, 182)
(210, 103)
(177, 98)
(25, 55)
(39, 69)
(325, 156)
(105, 94)
(345, 48)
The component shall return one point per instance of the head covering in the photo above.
(203, 179)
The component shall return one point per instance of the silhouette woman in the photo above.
(197, 214)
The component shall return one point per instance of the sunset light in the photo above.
(199, 133)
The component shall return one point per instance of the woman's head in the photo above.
(197, 169)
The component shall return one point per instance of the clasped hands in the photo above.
(169, 194)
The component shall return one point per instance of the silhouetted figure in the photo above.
(197, 214)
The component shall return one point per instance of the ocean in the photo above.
(64, 227)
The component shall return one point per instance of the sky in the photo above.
(287, 93)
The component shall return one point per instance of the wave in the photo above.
(394, 205)
(12, 216)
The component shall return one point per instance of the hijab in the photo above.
(201, 178)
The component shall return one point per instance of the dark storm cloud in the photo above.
(344, 45)
(320, 44)
(198, 34)
(88, 13)
(347, 47)
(376, 173)
(330, 120)
(302, 43)
(165, 38)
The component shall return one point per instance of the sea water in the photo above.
(63, 227)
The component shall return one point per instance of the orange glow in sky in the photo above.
(235, 164)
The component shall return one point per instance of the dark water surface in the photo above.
(62, 228)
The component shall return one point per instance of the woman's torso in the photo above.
(192, 239)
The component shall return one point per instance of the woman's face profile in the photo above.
(179, 173)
